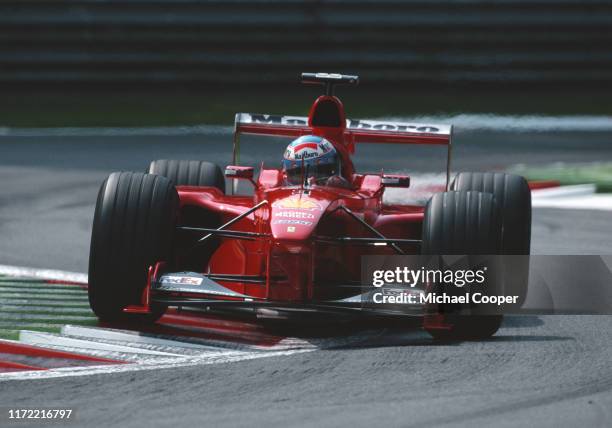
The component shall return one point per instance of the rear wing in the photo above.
(356, 131)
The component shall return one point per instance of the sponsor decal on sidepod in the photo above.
(297, 204)
(297, 222)
(294, 214)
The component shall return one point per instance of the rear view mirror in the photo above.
(240, 172)
(391, 180)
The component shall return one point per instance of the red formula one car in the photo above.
(175, 237)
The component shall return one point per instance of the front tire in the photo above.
(133, 228)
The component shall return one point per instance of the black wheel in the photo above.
(133, 228)
(189, 173)
(463, 223)
(513, 197)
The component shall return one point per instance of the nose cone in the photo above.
(296, 217)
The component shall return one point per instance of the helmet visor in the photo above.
(311, 171)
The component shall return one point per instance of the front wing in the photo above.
(191, 289)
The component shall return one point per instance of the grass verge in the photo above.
(599, 174)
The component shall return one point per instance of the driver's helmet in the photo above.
(310, 158)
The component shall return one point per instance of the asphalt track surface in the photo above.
(538, 370)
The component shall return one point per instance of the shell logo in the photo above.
(297, 204)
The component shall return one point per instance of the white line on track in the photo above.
(517, 123)
(581, 196)
(35, 338)
(12, 316)
(17, 309)
(565, 191)
(46, 274)
(135, 340)
(128, 336)
(599, 202)
(47, 296)
(25, 325)
(149, 365)
(33, 291)
(45, 302)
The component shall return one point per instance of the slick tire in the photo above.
(189, 173)
(462, 223)
(513, 197)
(133, 228)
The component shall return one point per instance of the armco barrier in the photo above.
(186, 41)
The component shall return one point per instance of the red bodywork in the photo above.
(293, 255)
(297, 262)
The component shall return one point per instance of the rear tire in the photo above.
(189, 173)
(462, 223)
(133, 228)
(513, 197)
(193, 173)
